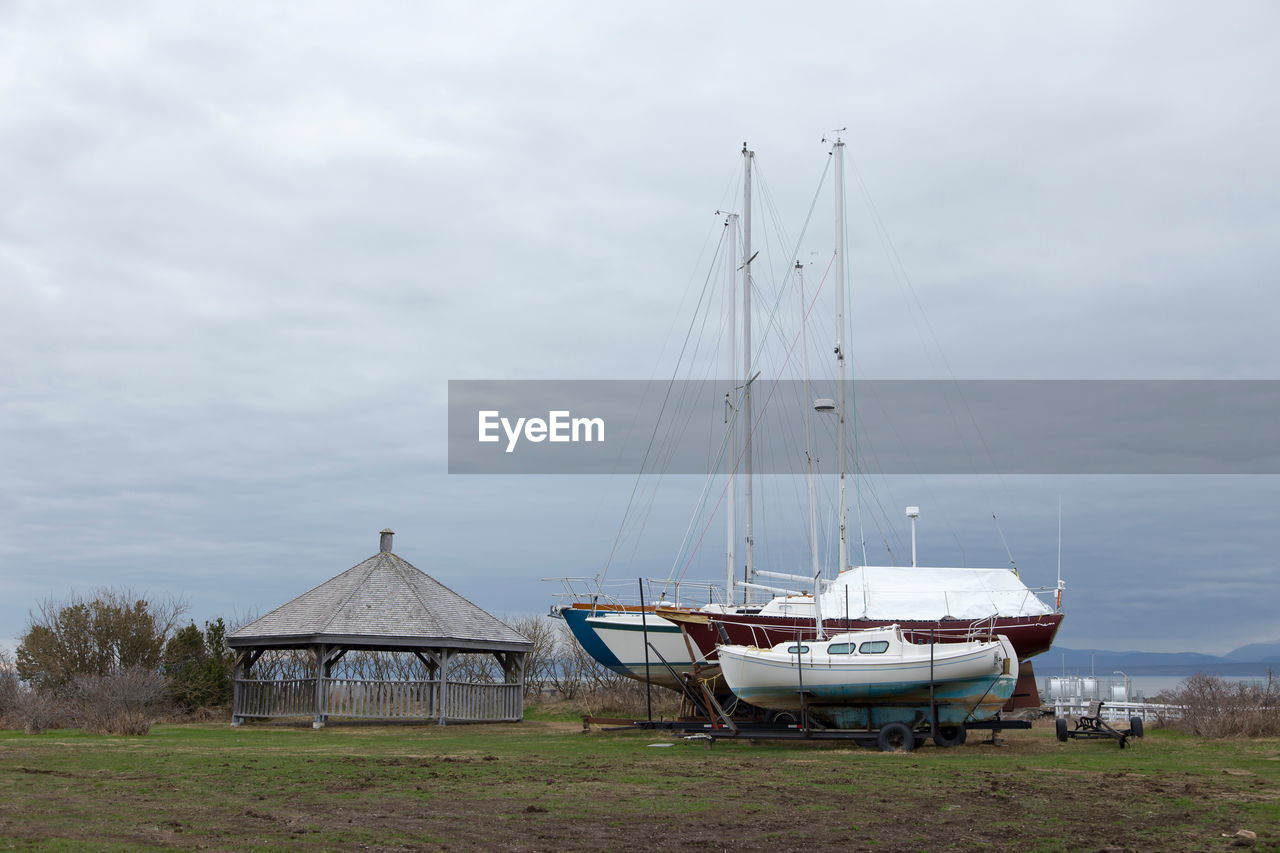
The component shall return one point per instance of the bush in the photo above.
(9, 685)
(34, 711)
(22, 707)
(1212, 707)
(124, 702)
(115, 630)
(198, 666)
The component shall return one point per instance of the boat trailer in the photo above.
(714, 723)
(894, 737)
(1091, 726)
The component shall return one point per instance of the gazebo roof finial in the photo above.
(385, 544)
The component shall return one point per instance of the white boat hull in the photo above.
(968, 681)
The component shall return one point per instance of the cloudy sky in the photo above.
(243, 248)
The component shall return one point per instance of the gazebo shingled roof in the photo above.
(382, 601)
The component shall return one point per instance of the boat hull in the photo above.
(965, 687)
(616, 639)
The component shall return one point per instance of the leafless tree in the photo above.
(123, 702)
(540, 662)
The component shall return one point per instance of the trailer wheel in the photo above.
(1061, 726)
(786, 718)
(950, 735)
(896, 737)
(1135, 726)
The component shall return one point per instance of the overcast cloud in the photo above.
(243, 248)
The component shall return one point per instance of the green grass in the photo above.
(544, 785)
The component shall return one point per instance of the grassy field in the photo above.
(544, 785)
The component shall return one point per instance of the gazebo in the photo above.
(383, 604)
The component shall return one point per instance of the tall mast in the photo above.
(808, 431)
(840, 366)
(814, 569)
(748, 157)
(731, 534)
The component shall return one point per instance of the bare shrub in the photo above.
(1212, 707)
(35, 711)
(22, 707)
(475, 669)
(283, 664)
(540, 662)
(627, 697)
(382, 666)
(124, 702)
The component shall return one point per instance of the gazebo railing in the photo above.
(474, 701)
(286, 697)
(384, 700)
(392, 700)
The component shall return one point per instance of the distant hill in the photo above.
(1104, 657)
(1253, 659)
(1265, 652)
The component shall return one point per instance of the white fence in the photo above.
(1119, 711)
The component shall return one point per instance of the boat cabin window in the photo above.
(797, 650)
(874, 647)
(842, 648)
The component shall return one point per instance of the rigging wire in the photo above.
(900, 272)
(666, 397)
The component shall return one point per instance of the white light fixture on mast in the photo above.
(913, 512)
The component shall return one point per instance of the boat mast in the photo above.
(748, 157)
(731, 533)
(814, 569)
(840, 366)
(808, 434)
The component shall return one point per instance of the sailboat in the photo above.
(659, 642)
(870, 679)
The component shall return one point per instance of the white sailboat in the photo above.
(872, 678)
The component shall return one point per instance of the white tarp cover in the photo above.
(890, 592)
